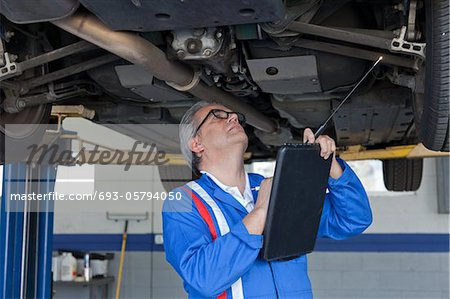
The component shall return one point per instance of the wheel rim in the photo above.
(31, 118)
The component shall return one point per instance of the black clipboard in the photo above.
(296, 202)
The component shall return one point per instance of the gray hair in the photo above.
(187, 128)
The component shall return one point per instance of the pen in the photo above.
(323, 126)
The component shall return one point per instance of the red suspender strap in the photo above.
(203, 212)
(207, 218)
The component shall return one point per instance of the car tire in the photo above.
(434, 123)
(34, 116)
(173, 176)
(402, 174)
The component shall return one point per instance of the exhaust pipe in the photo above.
(141, 52)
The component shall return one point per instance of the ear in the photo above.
(196, 146)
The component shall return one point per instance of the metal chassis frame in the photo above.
(399, 44)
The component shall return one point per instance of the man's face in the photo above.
(219, 134)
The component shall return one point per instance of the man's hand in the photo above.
(327, 148)
(264, 194)
(256, 219)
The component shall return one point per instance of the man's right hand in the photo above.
(256, 219)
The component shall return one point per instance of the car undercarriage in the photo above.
(285, 64)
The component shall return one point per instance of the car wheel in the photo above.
(33, 117)
(402, 174)
(173, 176)
(434, 127)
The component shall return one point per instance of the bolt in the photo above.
(235, 68)
(207, 52)
(271, 70)
(219, 34)
(191, 47)
(21, 104)
(181, 54)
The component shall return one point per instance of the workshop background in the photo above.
(403, 254)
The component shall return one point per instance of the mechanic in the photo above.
(213, 235)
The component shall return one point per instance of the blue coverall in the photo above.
(208, 267)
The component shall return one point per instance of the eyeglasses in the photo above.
(221, 114)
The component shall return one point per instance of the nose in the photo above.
(232, 117)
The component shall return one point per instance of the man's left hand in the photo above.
(327, 148)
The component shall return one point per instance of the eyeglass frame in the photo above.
(240, 116)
